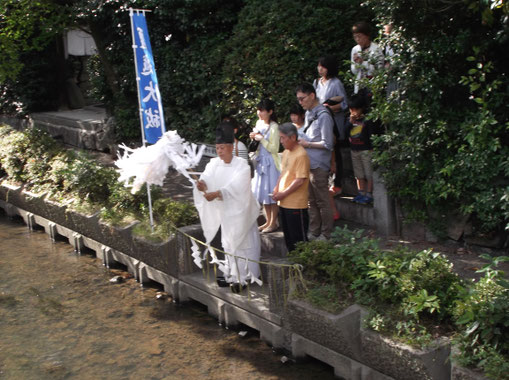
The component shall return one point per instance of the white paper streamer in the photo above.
(214, 259)
(254, 279)
(196, 254)
(222, 265)
(150, 164)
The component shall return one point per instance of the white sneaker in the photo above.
(312, 237)
(321, 238)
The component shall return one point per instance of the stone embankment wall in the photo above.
(339, 340)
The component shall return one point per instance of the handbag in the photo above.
(253, 146)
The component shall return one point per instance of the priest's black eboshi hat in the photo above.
(224, 133)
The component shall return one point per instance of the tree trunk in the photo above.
(111, 76)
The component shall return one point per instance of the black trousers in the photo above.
(338, 179)
(295, 224)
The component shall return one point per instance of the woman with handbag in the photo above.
(268, 164)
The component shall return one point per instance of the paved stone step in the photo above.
(354, 212)
(85, 128)
(89, 118)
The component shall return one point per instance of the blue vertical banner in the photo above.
(151, 107)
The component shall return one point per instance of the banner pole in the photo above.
(140, 111)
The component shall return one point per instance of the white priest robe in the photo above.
(236, 214)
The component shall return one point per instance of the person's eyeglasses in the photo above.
(301, 98)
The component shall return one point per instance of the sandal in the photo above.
(270, 229)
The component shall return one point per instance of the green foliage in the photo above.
(26, 26)
(88, 179)
(34, 158)
(410, 293)
(39, 83)
(482, 318)
(446, 144)
(403, 287)
(213, 57)
(187, 38)
(26, 157)
(326, 297)
(276, 45)
(315, 257)
(168, 214)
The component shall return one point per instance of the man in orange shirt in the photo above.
(291, 191)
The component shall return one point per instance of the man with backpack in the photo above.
(318, 140)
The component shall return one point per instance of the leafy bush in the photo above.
(89, 180)
(484, 326)
(404, 288)
(413, 296)
(446, 144)
(34, 158)
(187, 38)
(212, 57)
(168, 214)
(26, 157)
(173, 213)
(276, 45)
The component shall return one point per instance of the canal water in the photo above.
(62, 318)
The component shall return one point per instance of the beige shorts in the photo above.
(362, 166)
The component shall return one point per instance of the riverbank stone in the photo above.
(161, 256)
(118, 238)
(338, 332)
(404, 362)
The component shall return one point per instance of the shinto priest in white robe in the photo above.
(236, 214)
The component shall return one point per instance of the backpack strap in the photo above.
(334, 127)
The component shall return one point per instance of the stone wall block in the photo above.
(182, 246)
(35, 202)
(105, 137)
(384, 209)
(273, 247)
(495, 239)
(404, 362)
(118, 238)
(57, 213)
(337, 332)
(87, 225)
(456, 224)
(161, 256)
(462, 373)
(277, 280)
(11, 194)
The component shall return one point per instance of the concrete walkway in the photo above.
(89, 114)
(86, 128)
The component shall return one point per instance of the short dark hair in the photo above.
(358, 101)
(306, 88)
(224, 133)
(230, 119)
(331, 64)
(297, 109)
(362, 27)
(288, 129)
(267, 105)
